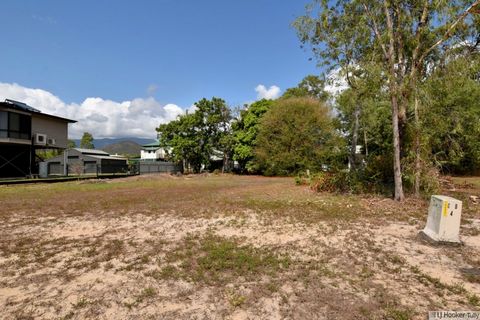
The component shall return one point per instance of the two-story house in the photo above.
(23, 130)
(152, 152)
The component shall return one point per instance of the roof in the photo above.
(151, 148)
(106, 157)
(12, 104)
(153, 144)
(91, 151)
(22, 105)
(96, 154)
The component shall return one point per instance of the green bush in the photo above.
(368, 180)
(341, 181)
(429, 179)
(344, 181)
(296, 135)
(301, 179)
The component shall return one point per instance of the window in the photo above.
(3, 124)
(25, 127)
(15, 125)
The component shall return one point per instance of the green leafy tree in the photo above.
(294, 135)
(451, 113)
(45, 154)
(310, 86)
(51, 153)
(215, 117)
(182, 141)
(245, 130)
(87, 141)
(401, 36)
(194, 138)
(364, 118)
(71, 144)
(447, 107)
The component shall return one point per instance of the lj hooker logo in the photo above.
(453, 315)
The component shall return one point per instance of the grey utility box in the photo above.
(443, 222)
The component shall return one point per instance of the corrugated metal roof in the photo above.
(91, 151)
(105, 157)
(153, 144)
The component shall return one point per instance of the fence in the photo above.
(57, 169)
(158, 167)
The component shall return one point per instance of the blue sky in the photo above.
(181, 50)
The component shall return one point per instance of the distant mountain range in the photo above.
(124, 148)
(101, 143)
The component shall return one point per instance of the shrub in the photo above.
(302, 178)
(294, 135)
(331, 182)
(429, 179)
(344, 181)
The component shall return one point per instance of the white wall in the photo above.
(144, 154)
(152, 155)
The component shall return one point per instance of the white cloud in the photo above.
(191, 109)
(102, 118)
(97, 117)
(336, 83)
(271, 93)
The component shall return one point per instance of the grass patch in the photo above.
(168, 272)
(471, 274)
(427, 280)
(467, 181)
(216, 260)
(147, 293)
(81, 303)
(474, 300)
(473, 278)
(398, 314)
(236, 300)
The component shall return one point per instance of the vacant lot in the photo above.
(226, 247)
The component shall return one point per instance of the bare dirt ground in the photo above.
(226, 247)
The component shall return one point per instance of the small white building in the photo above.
(152, 152)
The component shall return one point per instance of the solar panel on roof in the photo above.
(22, 105)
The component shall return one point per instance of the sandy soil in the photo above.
(138, 248)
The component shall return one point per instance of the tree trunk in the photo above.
(402, 124)
(418, 160)
(397, 169)
(225, 163)
(353, 151)
(365, 141)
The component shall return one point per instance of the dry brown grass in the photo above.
(225, 247)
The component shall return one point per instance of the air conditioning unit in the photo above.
(40, 139)
(443, 222)
(51, 142)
